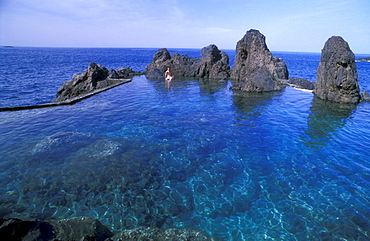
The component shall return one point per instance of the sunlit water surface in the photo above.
(239, 166)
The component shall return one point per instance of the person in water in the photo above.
(168, 77)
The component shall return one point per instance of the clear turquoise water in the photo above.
(239, 166)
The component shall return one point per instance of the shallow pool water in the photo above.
(239, 166)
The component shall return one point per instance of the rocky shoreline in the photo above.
(213, 64)
(89, 229)
(94, 78)
(254, 70)
(68, 101)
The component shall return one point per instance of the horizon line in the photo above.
(195, 48)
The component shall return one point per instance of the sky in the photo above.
(289, 25)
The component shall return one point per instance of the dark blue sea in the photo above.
(238, 166)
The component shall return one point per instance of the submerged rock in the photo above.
(16, 229)
(336, 76)
(172, 234)
(89, 229)
(73, 143)
(255, 68)
(69, 229)
(213, 64)
(78, 228)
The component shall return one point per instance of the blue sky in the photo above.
(289, 25)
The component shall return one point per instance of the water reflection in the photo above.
(250, 105)
(325, 118)
(207, 87)
(211, 86)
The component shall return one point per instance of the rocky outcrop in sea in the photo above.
(213, 64)
(89, 229)
(299, 83)
(255, 69)
(94, 78)
(363, 59)
(365, 96)
(336, 76)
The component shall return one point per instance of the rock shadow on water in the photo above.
(206, 86)
(178, 83)
(251, 104)
(212, 86)
(325, 118)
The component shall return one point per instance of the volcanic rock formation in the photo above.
(255, 68)
(85, 229)
(94, 78)
(301, 83)
(336, 76)
(213, 64)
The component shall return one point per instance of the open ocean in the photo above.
(238, 166)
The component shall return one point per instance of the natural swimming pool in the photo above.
(279, 165)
